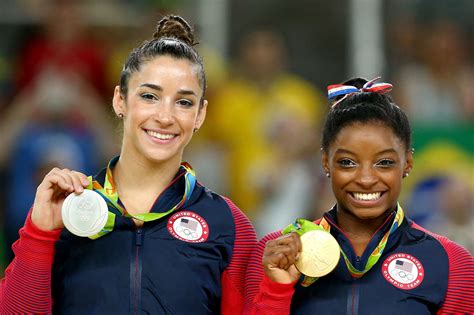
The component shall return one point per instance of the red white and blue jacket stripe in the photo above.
(130, 270)
(444, 283)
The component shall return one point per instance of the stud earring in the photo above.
(406, 174)
(195, 130)
(120, 115)
(328, 175)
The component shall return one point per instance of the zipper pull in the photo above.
(139, 237)
(357, 262)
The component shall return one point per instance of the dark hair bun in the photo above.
(173, 26)
(357, 82)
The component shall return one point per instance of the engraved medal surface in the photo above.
(320, 253)
(85, 214)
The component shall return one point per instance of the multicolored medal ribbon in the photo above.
(302, 226)
(109, 193)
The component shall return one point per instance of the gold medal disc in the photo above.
(319, 255)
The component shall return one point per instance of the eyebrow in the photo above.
(378, 153)
(159, 88)
(152, 86)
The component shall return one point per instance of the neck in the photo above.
(359, 231)
(140, 181)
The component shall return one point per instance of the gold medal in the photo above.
(319, 255)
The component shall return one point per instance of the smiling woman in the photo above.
(388, 264)
(162, 226)
(366, 162)
(162, 107)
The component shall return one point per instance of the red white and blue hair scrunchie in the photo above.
(336, 90)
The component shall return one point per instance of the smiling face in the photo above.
(366, 162)
(161, 109)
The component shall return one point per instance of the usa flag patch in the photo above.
(403, 271)
(188, 226)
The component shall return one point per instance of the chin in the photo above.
(157, 157)
(370, 214)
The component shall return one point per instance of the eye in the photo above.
(385, 163)
(346, 163)
(184, 102)
(148, 96)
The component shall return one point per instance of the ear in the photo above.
(201, 116)
(409, 163)
(118, 102)
(325, 161)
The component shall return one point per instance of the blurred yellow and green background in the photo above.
(268, 63)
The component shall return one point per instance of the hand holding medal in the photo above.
(279, 258)
(305, 248)
(50, 196)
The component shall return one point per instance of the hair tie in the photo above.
(339, 89)
(336, 90)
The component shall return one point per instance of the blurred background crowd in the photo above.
(268, 64)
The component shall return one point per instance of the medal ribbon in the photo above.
(110, 195)
(302, 226)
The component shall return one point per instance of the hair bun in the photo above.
(357, 82)
(174, 26)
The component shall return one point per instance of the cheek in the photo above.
(394, 180)
(342, 178)
(132, 122)
(339, 181)
(188, 120)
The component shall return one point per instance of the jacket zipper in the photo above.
(136, 273)
(353, 294)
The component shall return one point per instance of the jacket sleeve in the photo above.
(26, 287)
(234, 276)
(458, 299)
(262, 295)
(460, 291)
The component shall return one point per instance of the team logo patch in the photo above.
(403, 271)
(188, 226)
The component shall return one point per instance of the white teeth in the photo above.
(160, 136)
(367, 197)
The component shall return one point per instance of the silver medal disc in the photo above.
(84, 214)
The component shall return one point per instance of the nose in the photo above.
(367, 176)
(164, 113)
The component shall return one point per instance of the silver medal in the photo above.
(84, 214)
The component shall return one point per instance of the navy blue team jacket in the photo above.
(154, 269)
(418, 273)
(411, 277)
